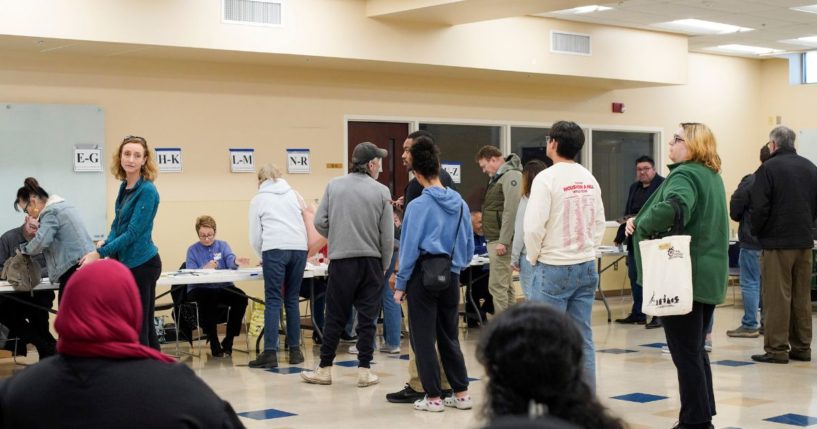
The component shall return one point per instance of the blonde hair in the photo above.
(701, 145)
(205, 221)
(268, 171)
(149, 170)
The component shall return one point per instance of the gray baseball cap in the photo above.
(367, 151)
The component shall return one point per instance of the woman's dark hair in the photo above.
(532, 354)
(529, 172)
(425, 158)
(30, 188)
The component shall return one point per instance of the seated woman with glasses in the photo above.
(216, 254)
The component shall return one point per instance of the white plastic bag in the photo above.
(666, 274)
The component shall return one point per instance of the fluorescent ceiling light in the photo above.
(810, 9)
(744, 49)
(698, 26)
(583, 9)
(803, 41)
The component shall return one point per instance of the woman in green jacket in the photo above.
(695, 183)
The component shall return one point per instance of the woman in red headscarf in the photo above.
(102, 377)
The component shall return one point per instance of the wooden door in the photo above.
(389, 136)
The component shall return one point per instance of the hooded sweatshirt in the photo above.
(429, 226)
(276, 218)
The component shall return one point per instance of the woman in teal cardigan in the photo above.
(695, 184)
(130, 240)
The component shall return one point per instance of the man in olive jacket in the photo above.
(784, 207)
(498, 215)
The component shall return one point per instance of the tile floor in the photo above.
(635, 380)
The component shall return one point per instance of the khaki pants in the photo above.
(414, 376)
(786, 276)
(500, 279)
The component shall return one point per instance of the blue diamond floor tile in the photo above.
(350, 363)
(617, 351)
(654, 345)
(287, 370)
(640, 398)
(793, 420)
(472, 379)
(733, 363)
(266, 414)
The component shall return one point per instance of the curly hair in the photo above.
(532, 354)
(425, 158)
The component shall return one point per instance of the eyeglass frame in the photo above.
(676, 139)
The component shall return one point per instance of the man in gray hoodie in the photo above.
(355, 214)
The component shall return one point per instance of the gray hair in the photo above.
(268, 172)
(783, 136)
(362, 168)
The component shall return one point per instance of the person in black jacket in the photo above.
(784, 208)
(648, 181)
(740, 210)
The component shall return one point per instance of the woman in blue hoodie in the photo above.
(278, 236)
(435, 223)
(131, 238)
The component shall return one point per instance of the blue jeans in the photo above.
(749, 262)
(526, 275)
(392, 313)
(572, 289)
(637, 290)
(282, 269)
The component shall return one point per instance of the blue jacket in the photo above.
(429, 228)
(62, 238)
(130, 240)
(198, 255)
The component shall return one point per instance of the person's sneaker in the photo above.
(767, 358)
(405, 396)
(353, 350)
(426, 405)
(632, 320)
(708, 346)
(365, 378)
(390, 350)
(654, 323)
(295, 356)
(344, 338)
(227, 345)
(267, 359)
(665, 349)
(803, 357)
(743, 332)
(321, 375)
(464, 403)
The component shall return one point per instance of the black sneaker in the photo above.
(405, 396)
(345, 338)
(632, 320)
(267, 359)
(654, 323)
(295, 356)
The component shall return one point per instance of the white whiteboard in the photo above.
(37, 140)
(806, 144)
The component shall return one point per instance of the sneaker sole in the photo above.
(367, 384)
(315, 381)
(755, 335)
(264, 366)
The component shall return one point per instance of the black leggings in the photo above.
(146, 276)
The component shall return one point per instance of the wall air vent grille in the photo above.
(253, 12)
(569, 43)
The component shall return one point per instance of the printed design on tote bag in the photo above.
(673, 253)
(664, 301)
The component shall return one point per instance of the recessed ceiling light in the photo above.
(810, 8)
(810, 41)
(583, 9)
(698, 26)
(744, 49)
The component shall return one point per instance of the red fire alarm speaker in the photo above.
(618, 108)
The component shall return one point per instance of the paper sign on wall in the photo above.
(298, 161)
(242, 160)
(454, 169)
(87, 158)
(169, 159)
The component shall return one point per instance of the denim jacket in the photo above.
(62, 238)
(130, 240)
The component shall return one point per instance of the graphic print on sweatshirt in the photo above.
(578, 213)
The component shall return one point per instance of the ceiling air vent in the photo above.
(253, 12)
(569, 43)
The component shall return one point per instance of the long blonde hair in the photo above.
(149, 170)
(701, 145)
(268, 171)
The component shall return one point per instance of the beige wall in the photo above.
(795, 104)
(205, 108)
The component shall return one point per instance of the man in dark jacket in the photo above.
(648, 181)
(740, 210)
(784, 207)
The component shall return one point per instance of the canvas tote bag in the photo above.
(666, 271)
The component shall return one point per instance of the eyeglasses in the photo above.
(643, 169)
(206, 236)
(676, 139)
(134, 139)
(25, 209)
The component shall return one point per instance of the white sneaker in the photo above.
(665, 349)
(426, 405)
(353, 350)
(465, 403)
(390, 350)
(708, 346)
(321, 375)
(365, 378)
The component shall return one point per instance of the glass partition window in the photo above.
(614, 155)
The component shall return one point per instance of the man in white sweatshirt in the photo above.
(564, 225)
